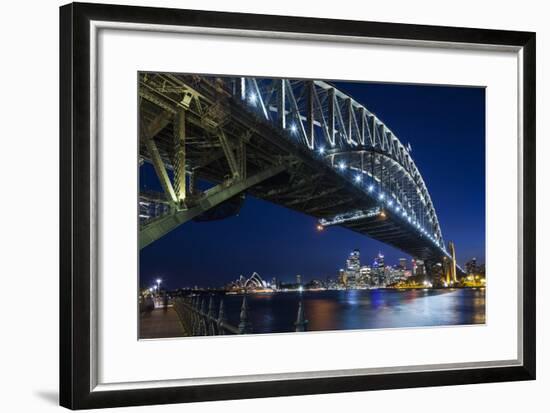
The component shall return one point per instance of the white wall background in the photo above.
(29, 204)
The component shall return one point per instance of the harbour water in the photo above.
(361, 309)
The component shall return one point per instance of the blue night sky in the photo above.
(445, 127)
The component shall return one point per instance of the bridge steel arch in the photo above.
(239, 121)
(349, 137)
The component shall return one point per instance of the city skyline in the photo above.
(278, 242)
(411, 265)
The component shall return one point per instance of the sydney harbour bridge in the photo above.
(301, 144)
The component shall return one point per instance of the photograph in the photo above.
(281, 205)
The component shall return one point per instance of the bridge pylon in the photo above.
(449, 265)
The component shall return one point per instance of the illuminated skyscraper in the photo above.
(353, 262)
(299, 279)
(420, 267)
(403, 263)
(365, 275)
(353, 268)
(380, 260)
(471, 266)
(379, 269)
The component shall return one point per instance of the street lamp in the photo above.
(158, 285)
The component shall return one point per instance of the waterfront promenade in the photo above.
(160, 324)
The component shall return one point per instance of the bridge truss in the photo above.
(352, 139)
(340, 162)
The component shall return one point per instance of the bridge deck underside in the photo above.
(309, 185)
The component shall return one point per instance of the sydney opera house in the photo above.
(253, 284)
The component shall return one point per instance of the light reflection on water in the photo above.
(361, 309)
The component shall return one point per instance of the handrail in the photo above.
(199, 318)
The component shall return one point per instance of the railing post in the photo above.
(210, 317)
(211, 307)
(203, 306)
(221, 318)
(187, 312)
(203, 329)
(198, 316)
(301, 322)
(244, 325)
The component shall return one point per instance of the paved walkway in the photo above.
(160, 324)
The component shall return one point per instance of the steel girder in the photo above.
(159, 227)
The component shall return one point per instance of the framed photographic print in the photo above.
(258, 206)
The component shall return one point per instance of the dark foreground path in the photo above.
(160, 324)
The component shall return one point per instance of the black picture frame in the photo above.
(75, 220)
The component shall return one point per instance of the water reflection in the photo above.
(362, 309)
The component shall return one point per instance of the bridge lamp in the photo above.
(390, 202)
(342, 165)
(320, 227)
(371, 188)
(381, 196)
(322, 150)
(252, 98)
(357, 178)
(293, 128)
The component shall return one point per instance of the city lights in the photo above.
(341, 165)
